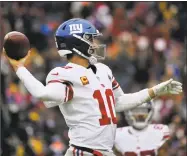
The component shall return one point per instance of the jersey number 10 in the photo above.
(105, 120)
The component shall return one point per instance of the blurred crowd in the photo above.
(145, 45)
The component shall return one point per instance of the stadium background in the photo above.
(145, 45)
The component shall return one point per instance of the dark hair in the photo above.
(69, 56)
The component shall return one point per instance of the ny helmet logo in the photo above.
(76, 28)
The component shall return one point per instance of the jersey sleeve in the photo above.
(52, 94)
(115, 85)
(60, 76)
(165, 134)
(127, 101)
(116, 88)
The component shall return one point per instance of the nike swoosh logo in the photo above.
(55, 73)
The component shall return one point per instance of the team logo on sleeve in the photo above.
(84, 80)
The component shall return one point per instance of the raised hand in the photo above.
(17, 63)
(168, 87)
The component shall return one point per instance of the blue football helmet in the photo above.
(79, 36)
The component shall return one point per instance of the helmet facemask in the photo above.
(96, 49)
(140, 117)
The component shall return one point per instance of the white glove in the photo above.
(168, 87)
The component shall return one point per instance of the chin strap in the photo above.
(92, 59)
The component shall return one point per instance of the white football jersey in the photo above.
(129, 141)
(88, 107)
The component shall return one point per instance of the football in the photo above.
(16, 45)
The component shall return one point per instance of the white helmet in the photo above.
(141, 116)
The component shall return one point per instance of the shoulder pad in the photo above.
(105, 68)
(163, 130)
(122, 129)
(166, 132)
(101, 65)
(58, 74)
(66, 67)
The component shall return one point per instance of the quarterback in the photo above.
(141, 138)
(85, 91)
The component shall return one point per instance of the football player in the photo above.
(85, 91)
(140, 138)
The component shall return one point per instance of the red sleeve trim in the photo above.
(69, 90)
(166, 137)
(115, 84)
(115, 87)
(54, 81)
(60, 81)
(69, 93)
